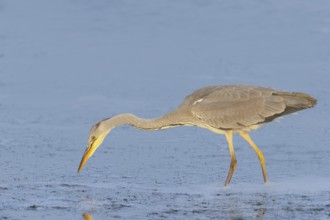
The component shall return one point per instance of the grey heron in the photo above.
(227, 110)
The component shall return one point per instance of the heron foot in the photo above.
(233, 165)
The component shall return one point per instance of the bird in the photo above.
(222, 109)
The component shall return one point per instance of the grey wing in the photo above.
(234, 107)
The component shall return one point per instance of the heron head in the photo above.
(96, 137)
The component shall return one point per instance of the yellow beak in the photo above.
(94, 143)
(85, 157)
(91, 147)
(87, 216)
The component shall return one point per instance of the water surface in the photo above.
(64, 65)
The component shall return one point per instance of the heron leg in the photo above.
(247, 137)
(233, 162)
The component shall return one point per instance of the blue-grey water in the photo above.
(64, 65)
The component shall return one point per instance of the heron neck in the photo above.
(144, 124)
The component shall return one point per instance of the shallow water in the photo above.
(66, 64)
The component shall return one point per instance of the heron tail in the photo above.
(298, 101)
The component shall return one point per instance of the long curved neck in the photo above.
(144, 124)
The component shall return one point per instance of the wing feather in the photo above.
(230, 107)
